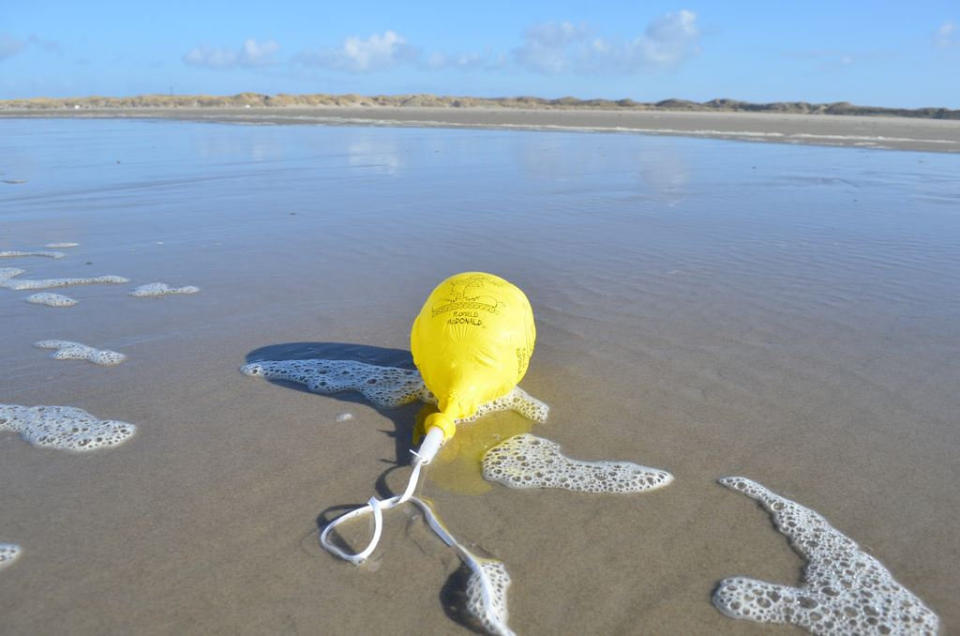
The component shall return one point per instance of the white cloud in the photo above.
(556, 34)
(251, 53)
(359, 55)
(946, 36)
(563, 47)
(550, 47)
(670, 39)
(553, 47)
(255, 53)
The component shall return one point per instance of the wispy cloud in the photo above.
(359, 55)
(843, 60)
(251, 53)
(10, 46)
(554, 47)
(666, 43)
(827, 59)
(486, 61)
(50, 46)
(947, 35)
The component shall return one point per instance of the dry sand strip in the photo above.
(900, 133)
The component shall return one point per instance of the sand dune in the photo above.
(243, 100)
(930, 130)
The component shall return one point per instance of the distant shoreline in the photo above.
(814, 127)
(245, 100)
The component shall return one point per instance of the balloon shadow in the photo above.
(402, 417)
(334, 351)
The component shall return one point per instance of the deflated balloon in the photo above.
(472, 342)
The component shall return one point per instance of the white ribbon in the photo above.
(376, 507)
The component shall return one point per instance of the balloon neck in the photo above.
(430, 445)
(443, 421)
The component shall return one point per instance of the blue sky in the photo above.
(878, 53)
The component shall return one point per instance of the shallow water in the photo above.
(786, 313)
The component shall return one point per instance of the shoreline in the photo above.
(883, 132)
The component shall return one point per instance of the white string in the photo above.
(376, 507)
(468, 558)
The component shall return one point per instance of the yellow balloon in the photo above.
(472, 342)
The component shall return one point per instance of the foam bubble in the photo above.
(344, 417)
(61, 245)
(162, 289)
(843, 590)
(51, 300)
(25, 283)
(517, 400)
(6, 273)
(385, 387)
(8, 554)
(63, 427)
(490, 610)
(528, 461)
(16, 253)
(67, 350)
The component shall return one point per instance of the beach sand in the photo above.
(901, 133)
(709, 307)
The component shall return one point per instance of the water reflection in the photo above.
(665, 173)
(642, 165)
(380, 155)
(260, 143)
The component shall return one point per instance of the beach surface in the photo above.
(902, 133)
(710, 307)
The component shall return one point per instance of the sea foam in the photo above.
(516, 400)
(61, 245)
(528, 461)
(68, 350)
(6, 273)
(162, 289)
(385, 387)
(45, 283)
(51, 300)
(843, 590)
(16, 253)
(8, 554)
(63, 427)
(490, 611)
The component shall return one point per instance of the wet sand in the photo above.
(901, 133)
(707, 307)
